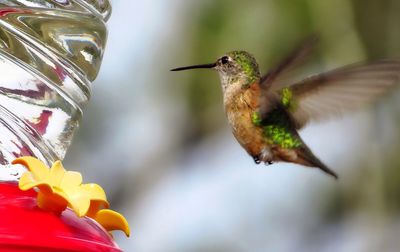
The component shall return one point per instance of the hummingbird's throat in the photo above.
(236, 80)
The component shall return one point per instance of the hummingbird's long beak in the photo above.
(212, 65)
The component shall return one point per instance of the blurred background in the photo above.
(159, 143)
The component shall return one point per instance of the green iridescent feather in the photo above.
(287, 99)
(277, 129)
(280, 135)
(256, 119)
(247, 63)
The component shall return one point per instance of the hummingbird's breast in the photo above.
(240, 104)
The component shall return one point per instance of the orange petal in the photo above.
(51, 202)
(39, 170)
(95, 206)
(112, 220)
(56, 174)
(78, 201)
(27, 182)
(71, 179)
(95, 192)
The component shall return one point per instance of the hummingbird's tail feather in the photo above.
(309, 159)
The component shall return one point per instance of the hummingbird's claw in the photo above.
(257, 160)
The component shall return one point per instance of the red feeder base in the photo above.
(25, 227)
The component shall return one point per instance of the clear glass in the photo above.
(50, 51)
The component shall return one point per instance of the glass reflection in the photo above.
(49, 53)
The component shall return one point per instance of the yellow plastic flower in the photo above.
(59, 189)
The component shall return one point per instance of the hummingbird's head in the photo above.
(234, 68)
(237, 68)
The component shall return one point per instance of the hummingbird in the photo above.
(265, 112)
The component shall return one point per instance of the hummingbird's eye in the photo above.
(224, 60)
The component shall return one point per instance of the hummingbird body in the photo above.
(274, 140)
(240, 104)
(265, 113)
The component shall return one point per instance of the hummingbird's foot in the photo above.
(257, 159)
(266, 156)
(268, 162)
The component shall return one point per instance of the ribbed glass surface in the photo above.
(50, 51)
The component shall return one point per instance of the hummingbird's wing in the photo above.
(339, 90)
(295, 58)
(275, 79)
